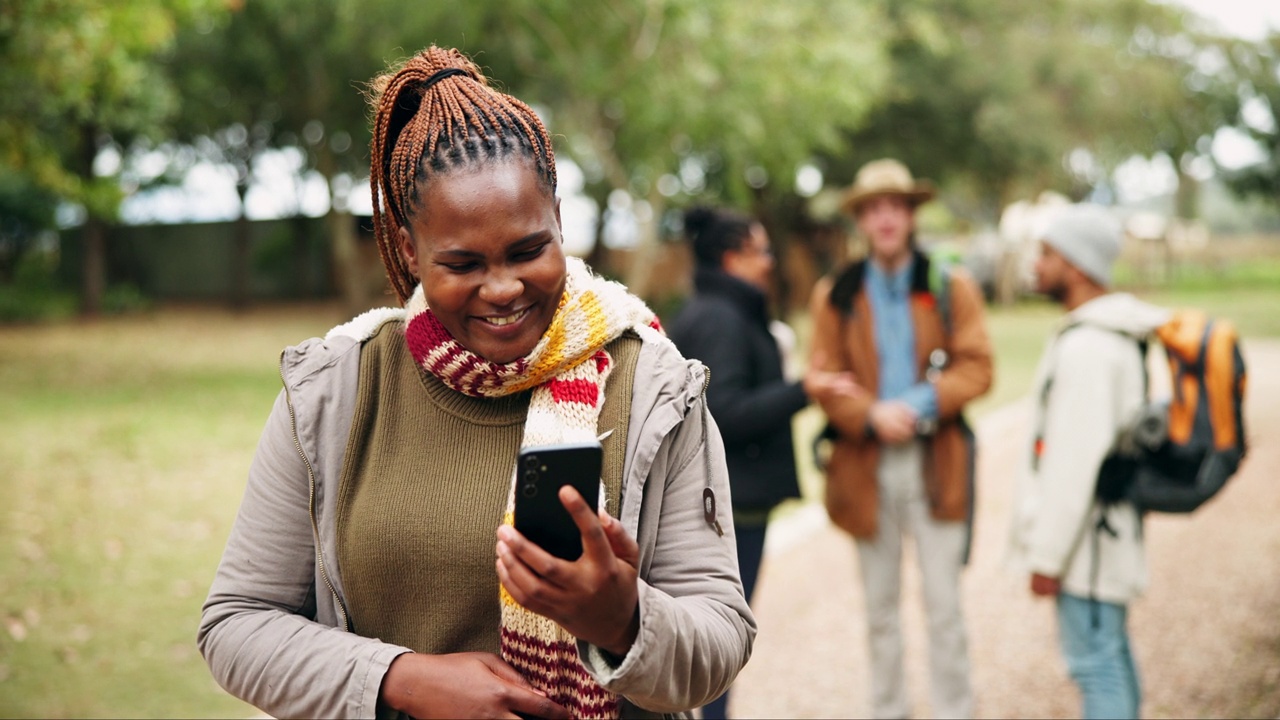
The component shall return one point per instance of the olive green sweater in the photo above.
(424, 486)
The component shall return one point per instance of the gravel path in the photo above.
(1206, 634)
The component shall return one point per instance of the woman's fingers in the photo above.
(624, 546)
(526, 570)
(500, 668)
(595, 545)
(539, 707)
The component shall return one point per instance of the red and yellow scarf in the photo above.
(567, 371)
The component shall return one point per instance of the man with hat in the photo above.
(901, 461)
(1085, 554)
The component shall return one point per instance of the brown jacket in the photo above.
(846, 342)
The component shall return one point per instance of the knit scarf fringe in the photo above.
(567, 371)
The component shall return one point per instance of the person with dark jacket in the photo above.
(726, 325)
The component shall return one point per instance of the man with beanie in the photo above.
(901, 460)
(1091, 384)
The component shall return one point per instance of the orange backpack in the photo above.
(1181, 451)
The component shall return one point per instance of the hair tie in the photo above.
(441, 75)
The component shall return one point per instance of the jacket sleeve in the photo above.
(256, 631)
(1080, 424)
(743, 410)
(848, 415)
(696, 630)
(969, 372)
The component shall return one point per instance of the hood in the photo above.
(1120, 312)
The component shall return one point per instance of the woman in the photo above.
(726, 325)
(360, 575)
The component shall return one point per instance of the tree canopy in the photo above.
(668, 102)
(1002, 99)
(1256, 114)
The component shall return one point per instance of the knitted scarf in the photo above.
(567, 370)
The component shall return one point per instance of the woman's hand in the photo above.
(594, 597)
(824, 386)
(462, 685)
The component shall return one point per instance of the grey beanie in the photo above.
(1088, 237)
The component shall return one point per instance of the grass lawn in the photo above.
(123, 457)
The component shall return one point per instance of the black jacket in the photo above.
(726, 326)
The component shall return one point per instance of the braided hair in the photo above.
(713, 232)
(432, 114)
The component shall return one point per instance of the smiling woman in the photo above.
(360, 577)
(486, 248)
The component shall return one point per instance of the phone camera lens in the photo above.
(530, 475)
(529, 489)
(531, 461)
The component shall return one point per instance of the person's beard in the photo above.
(1056, 292)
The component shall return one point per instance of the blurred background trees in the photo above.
(764, 105)
(79, 76)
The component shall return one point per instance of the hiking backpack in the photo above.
(1181, 451)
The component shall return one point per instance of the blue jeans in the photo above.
(1098, 656)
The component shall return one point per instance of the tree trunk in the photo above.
(94, 270)
(1186, 198)
(640, 275)
(240, 254)
(598, 257)
(1007, 269)
(302, 284)
(94, 279)
(348, 266)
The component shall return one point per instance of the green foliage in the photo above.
(1256, 68)
(646, 89)
(286, 73)
(26, 214)
(81, 75)
(76, 72)
(33, 294)
(991, 97)
(124, 298)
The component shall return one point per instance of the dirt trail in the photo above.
(1206, 634)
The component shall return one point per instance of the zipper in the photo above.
(311, 501)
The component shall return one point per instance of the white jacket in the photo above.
(1089, 385)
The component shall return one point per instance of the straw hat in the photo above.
(885, 177)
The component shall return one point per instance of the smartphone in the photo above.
(540, 473)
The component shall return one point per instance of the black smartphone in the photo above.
(540, 473)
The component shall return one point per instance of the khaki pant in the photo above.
(904, 509)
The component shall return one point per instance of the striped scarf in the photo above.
(567, 370)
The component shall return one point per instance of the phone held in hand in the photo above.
(540, 473)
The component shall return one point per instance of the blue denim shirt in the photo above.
(890, 297)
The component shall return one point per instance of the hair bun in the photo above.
(697, 219)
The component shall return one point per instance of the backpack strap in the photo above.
(939, 275)
(1144, 347)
